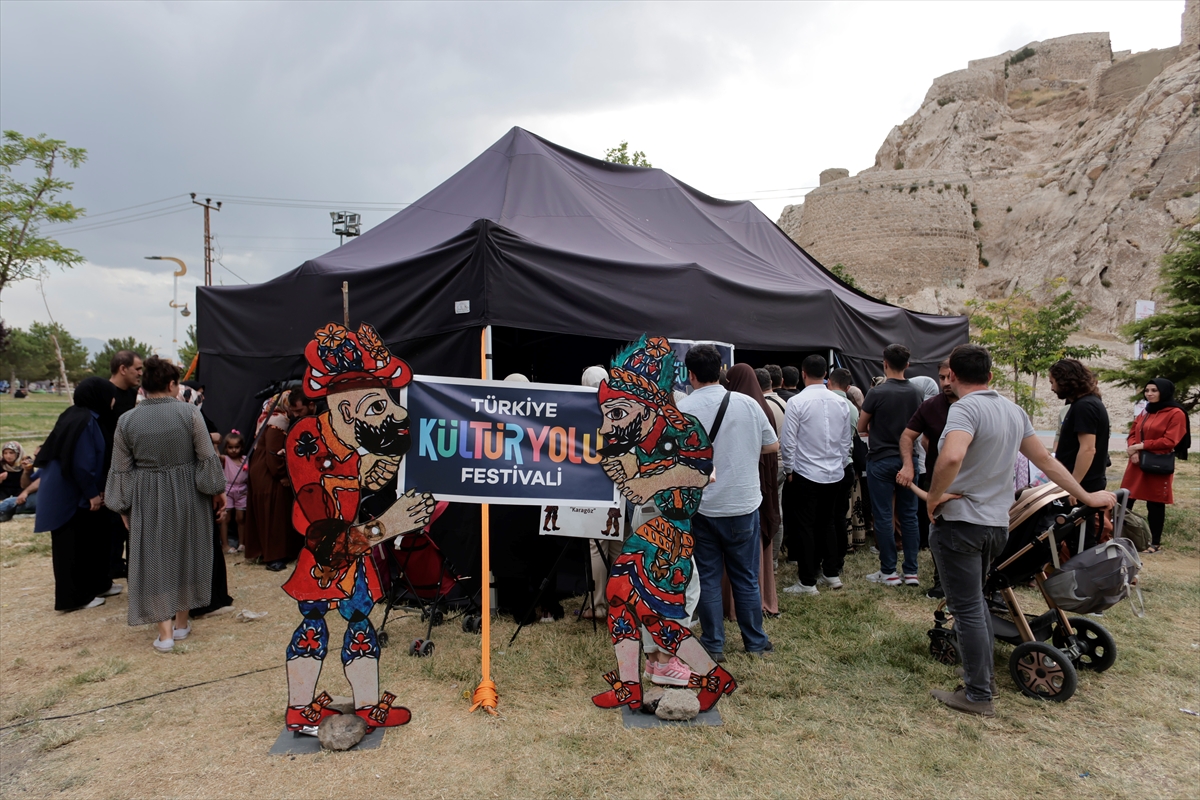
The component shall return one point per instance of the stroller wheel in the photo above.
(943, 646)
(383, 638)
(427, 649)
(471, 623)
(1096, 647)
(1042, 672)
(438, 616)
(414, 649)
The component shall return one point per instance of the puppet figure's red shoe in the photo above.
(384, 715)
(713, 686)
(309, 716)
(622, 693)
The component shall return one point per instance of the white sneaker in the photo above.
(113, 590)
(800, 588)
(179, 634)
(911, 580)
(96, 601)
(833, 583)
(874, 550)
(164, 647)
(887, 579)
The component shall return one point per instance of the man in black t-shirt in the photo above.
(1083, 437)
(886, 410)
(126, 377)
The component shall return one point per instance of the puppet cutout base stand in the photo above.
(638, 719)
(289, 744)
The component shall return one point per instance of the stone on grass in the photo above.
(678, 704)
(650, 698)
(341, 732)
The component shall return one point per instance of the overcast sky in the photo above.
(321, 107)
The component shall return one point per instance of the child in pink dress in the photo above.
(233, 462)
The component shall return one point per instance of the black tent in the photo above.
(565, 256)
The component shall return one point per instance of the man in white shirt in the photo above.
(726, 529)
(815, 442)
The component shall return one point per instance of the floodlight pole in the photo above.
(175, 298)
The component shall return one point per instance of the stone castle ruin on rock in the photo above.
(1058, 159)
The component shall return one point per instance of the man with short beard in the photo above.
(1083, 436)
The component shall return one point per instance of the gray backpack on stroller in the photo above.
(1097, 578)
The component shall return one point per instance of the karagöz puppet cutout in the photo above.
(342, 464)
(653, 451)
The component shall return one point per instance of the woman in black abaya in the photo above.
(70, 493)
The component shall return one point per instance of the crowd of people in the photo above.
(134, 482)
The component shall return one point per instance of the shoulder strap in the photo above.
(774, 399)
(716, 426)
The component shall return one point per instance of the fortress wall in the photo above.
(967, 84)
(896, 233)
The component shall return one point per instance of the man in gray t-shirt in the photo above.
(969, 498)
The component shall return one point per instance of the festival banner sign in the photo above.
(477, 441)
(681, 346)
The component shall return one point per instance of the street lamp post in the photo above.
(175, 300)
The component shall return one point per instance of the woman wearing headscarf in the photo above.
(70, 493)
(165, 480)
(1163, 429)
(741, 379)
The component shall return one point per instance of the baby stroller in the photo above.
(1049, 648)
(421, 576)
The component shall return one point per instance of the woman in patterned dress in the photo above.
(165, 480)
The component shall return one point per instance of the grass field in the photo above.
(840, 710)
(29, 420)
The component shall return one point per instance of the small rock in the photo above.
(650, 698)
(341, 732)
(678, 704)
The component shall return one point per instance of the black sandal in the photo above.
(1154, 548)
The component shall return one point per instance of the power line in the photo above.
(147, 215)
(127, 208)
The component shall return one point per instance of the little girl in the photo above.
(233, 461)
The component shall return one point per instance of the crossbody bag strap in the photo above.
(775, 401)
(716, 426)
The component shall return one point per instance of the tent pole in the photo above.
(486, 696)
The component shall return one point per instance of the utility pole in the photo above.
(207, 206)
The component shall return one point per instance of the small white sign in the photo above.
(462, 306)
(1141, 310)
(582, 522)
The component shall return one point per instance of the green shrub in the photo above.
(1028, 52)
(899, 164)
(976, 224)
(945, 101)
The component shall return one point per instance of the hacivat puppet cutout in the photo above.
(653, 451)
(342, 464)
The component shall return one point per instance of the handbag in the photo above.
(1155, 463)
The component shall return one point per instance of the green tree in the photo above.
(1171, 337)
(74, 354)
(621, 155)
(99, 363)
(187, 351)
(1026, 338)
(24, 207)
(24, 358)
(841, 273)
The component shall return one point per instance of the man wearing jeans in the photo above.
(886, 409)
(969, 498)
(726, 530)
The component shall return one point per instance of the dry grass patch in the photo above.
(841, 709)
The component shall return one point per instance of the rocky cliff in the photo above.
(1058, 159)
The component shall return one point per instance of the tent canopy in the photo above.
(533, 236)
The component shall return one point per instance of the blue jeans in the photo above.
(732, 546)
(881, 480)
(963, 553)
